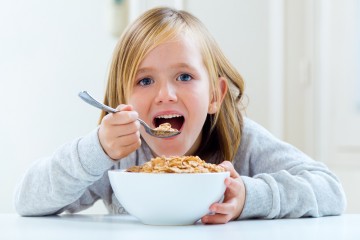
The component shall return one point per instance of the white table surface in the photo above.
(107, 227)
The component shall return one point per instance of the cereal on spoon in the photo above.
(164, 129)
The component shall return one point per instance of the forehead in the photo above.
(182, 48)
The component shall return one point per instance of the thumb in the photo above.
(229, 167)
(124, 107)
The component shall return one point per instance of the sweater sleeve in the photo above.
(64, 180)
(283, 182)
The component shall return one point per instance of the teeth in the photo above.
(169, 116)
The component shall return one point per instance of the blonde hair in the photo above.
(222, 130)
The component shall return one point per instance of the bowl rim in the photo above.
(123, 171)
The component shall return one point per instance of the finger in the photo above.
(129, 139)
(216, 219)
(125, 114)
(123, 117)
(233, 186)
(120, 119)
(123, 151)
(223, 208)
(132, 147)
(124, 107)
(229, 167)
(114, 132)
(114, 143)
(125, 129)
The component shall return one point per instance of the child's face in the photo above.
(172, 85)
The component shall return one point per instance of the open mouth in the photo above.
(175, 120)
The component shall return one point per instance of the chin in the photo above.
(174, 147)
(169, 152)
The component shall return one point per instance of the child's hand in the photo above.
(234, 199)
(119, 132)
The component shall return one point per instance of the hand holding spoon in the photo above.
(84, 95)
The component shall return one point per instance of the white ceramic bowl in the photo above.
(168, 198)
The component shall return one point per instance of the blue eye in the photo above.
(184, 77)
(145, 82)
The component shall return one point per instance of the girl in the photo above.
(167, 68)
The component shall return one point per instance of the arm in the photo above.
(281, 181)
(72, 179)
(62, 181)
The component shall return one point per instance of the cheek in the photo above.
(138, 101)
(197, 98)
(197, 105)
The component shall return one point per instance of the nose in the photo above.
(166, 93)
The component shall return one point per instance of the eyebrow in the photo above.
(182, 65)
(177, 65)
(144, 70)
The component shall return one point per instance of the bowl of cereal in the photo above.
(169, 191)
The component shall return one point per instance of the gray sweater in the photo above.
(280, 180)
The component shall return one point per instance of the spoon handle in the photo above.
(84, 95)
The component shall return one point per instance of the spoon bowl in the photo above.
(84, 95)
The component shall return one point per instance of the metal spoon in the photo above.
(84, 95)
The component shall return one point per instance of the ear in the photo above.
(216, 101)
